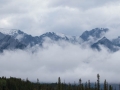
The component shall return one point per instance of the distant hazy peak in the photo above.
(95, 33)
(102, 29)
(54, 34)
(104, 38)
(48, 33)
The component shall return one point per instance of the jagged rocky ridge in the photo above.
(17, 39)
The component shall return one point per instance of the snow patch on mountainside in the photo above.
(60, 35)
(8, 31)
(19, 37)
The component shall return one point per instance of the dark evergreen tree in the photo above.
(98, 82)
(95, 86)
(89, 85)
(59, 84)
(110, 87)
(86, 86)
(105, 85)
(80, 84)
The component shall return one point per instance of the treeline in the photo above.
(13, 83)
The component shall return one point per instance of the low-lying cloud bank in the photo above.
(68, 61)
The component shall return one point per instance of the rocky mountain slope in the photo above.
(17, 39)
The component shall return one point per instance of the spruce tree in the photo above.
(89, 85)
(105, 85)
(80, 82)
(86, 86)
(98, 82)
(95, 86)
(59, 84)
(110, 87)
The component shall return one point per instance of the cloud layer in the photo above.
(70, 62)
(68, 17)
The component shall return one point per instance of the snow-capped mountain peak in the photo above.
(93, 38)
(94, 33)
(61, 35)
(116, 41)
(10, 31)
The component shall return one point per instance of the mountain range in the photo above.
(95, 38)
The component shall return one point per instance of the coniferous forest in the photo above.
(13, 83)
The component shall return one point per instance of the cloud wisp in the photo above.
(68, 61)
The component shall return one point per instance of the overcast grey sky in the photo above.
(70, 17)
